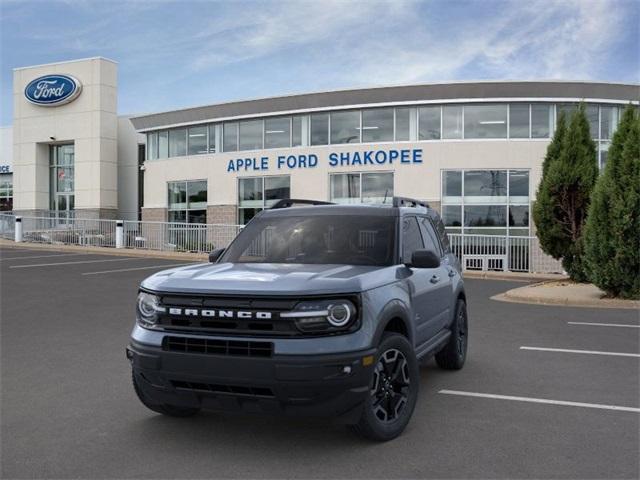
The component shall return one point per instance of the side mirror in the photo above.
(215, 255)
(424, 259)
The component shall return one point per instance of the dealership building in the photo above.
(473, 150)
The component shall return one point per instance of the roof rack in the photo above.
(409, 202)
(292, 202)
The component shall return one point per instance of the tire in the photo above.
(395, 382)
(164, 409)
(454, 353)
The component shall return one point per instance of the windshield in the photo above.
(336, 239)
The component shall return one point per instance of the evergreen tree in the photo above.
(563, 197)
(612, 233)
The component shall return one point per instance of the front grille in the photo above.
(229, 389)
(217, 347)
(274, 326)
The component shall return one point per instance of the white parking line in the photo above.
(623, 325)
(42, 256)
(588, 352)
(128, 259)
(542, 400)
(171, 265)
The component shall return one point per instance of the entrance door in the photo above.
(62, 181)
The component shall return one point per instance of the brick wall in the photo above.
(154, 214)
(222, 214)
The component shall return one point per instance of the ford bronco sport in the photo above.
(320, 309)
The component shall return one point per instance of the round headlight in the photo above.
(339, 314)
(148, 308)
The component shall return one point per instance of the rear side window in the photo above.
(411, 238)
(431, 241)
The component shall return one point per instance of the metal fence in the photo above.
(501, 253)
(7, 226)
(182, 237)
(476, 252)
(67, 231)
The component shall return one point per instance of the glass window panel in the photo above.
(345, 127)
(320, 129)
(519, 120)
(518, 186)
(519, 216)
(568, 109)
(452, 215)
(246, 214)
(604, 153)
(178, 142)
(177, 195)
(485, 121)
(608, 122)
(485, 186)
(377, 187)
(64, 179)
(197, 140)
(485, 216)
(197, 194)
(277, 132)
(483, 231)
(429, 123)
(276, 188)
(250, 192)
(251, 135)
(403, 124)
(592, 116)
(377, 125)
(452, 121)
(212, 138)
(345, 188)
(518, 232)
(296, 131)
(411, 238)
(197, 216)
(152, 146)
(230, 137)
(541, 120)
(163, 144)
(177, 216)
(451, 185)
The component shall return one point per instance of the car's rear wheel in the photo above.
(393, 390)
(454, 354)
(164, 409)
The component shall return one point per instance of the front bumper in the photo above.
(333, 385)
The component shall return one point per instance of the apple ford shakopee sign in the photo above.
(53, 90)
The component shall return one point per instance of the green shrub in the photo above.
(569, 174)
(612, 233)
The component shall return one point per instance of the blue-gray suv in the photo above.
(314, 309)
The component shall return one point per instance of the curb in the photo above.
(514, 276)
(515, 296)
(124, 252)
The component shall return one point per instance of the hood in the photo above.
(270, 279)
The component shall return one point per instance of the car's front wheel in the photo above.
(164, 409)
(393, 390)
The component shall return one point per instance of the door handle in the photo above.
(435, 279)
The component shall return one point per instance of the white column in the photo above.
(18, 230)
(119, 234)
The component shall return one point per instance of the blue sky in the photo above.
(185, 53)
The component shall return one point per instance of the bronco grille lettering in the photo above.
(208, 313)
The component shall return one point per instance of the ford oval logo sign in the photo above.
(53, 90)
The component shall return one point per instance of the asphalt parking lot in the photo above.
(548, 410)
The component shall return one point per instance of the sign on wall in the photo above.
(53, 90)
(5, 169)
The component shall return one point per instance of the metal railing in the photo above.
(7, 226)
(69, 231)
(476, 252)
(502, 253)
(183, 237)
